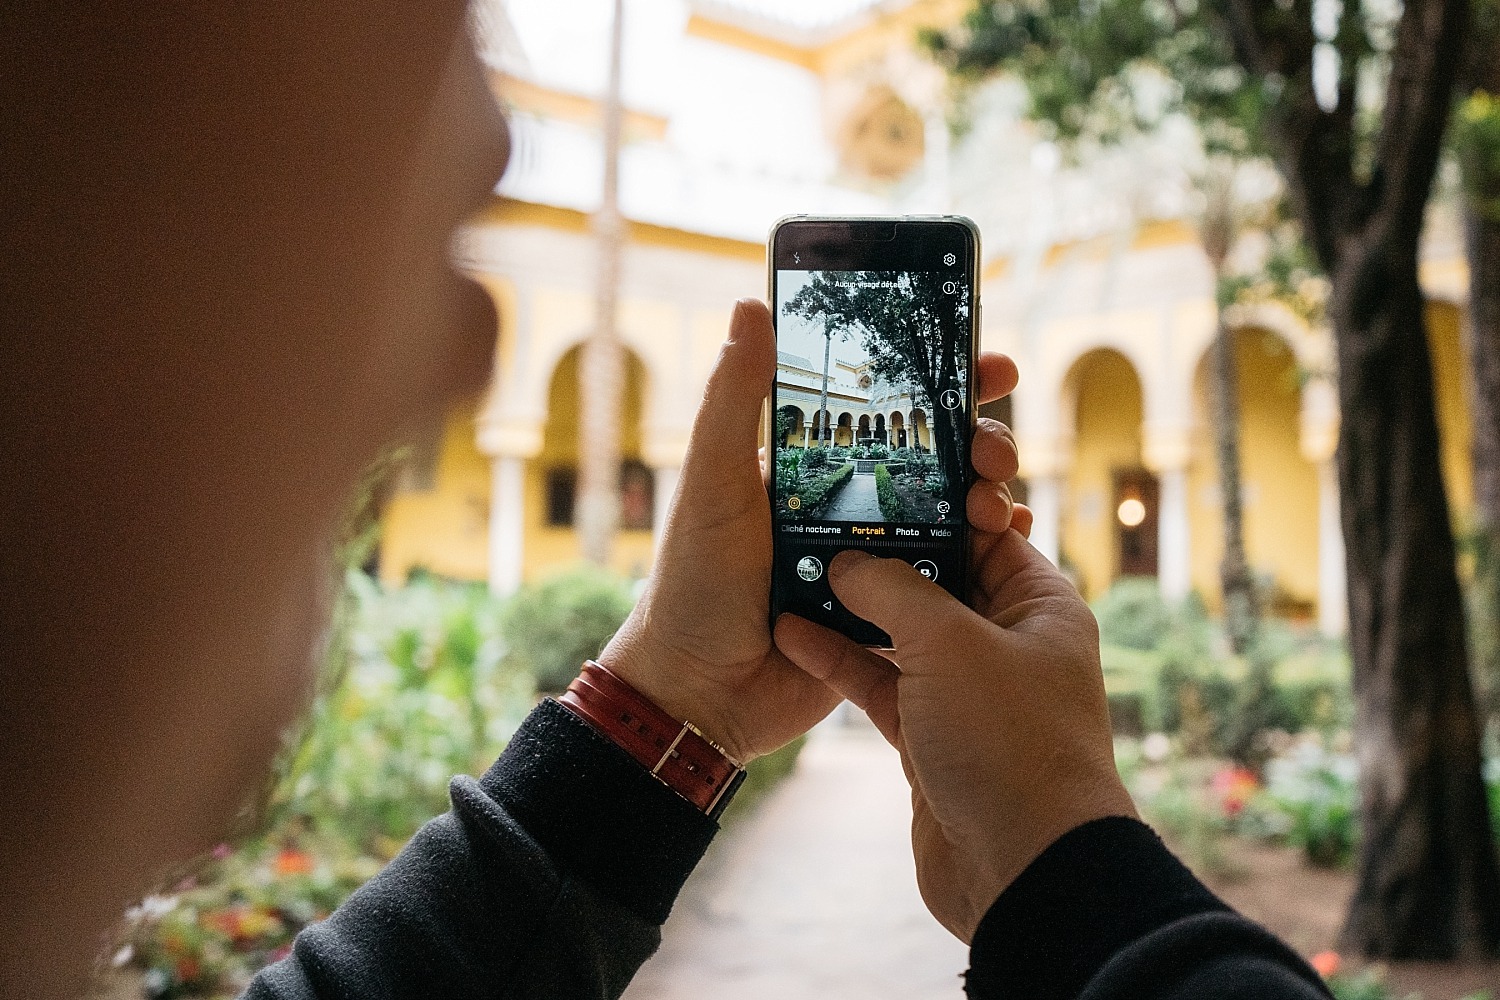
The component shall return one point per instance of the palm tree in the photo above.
(1217, 231)
(823, 415)
(601, 365)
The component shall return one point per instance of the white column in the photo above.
(666, 487)
(807, 435)
(1044, 497)
(507, 523)
(1333, 594)
(1173, 545)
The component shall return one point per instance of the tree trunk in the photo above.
(1236, 582)
(1241, 608)
(823, 415)
(601, 364)
(1482, 336)
(1428, 881)
(1484, 359)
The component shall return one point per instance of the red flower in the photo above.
(290, 861)
(1326, 962)
(1234, 786)
(188, 969)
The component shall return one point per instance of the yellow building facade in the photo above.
(1110, 332)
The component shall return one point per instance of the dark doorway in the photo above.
(1135, 517)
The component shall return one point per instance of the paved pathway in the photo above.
(857, 501)
(813, 896)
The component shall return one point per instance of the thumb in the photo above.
(728, 422)
(906, 605)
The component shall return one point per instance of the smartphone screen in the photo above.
(872, 411)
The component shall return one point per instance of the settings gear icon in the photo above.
(950, 259)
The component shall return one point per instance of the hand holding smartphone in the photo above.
(873, 408)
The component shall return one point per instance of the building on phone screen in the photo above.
(740, 111)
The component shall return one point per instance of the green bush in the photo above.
(761, 775)
(885, 492)
(1132, 614)
(416, 693)
(1317, 793)
(425, 697)
(819, 492)
(551, 627)
(789, 465)
(814, 458)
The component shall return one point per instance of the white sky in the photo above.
(796, 335)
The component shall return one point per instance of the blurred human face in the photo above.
(228, 287)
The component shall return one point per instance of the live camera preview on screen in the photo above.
(870, 416)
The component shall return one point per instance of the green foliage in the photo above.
(424, 695)
(1132, 614)
(885, 492)
(784, 423)
(1476, 141)
(1182, 808)
(1290, 275)
(1168, 669)
(1367, 984)
(790, 463)
(817, 491)
(552, 626)
(761, 775)
(1317, 793)
(1479, 551)
(895, 313)
(1100, 71)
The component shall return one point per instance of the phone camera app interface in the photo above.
(871, 429)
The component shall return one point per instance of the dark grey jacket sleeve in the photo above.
(1108, 913)
(550, 877)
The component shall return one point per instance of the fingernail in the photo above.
(847, 560)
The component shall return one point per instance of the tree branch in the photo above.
(1424, 64)
(1314, 146)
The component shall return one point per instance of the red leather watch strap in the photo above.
(677, 753)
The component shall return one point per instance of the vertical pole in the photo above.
(1333, 592)
(1044, 497)
(507, 523)
(1174, 558)
(601, 365)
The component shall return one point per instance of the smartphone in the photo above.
(872, 410)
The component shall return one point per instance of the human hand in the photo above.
(699, 640)
(698, 643)
(999, 712)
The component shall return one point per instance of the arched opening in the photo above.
(552, 476)
(865, 436)
(880, 428)
(1279, 487)
(1110, 517)
(843, 434)
(822, 429)
(898, 430)
(921, 438)
(789, 427)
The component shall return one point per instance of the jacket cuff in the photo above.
(1096, 889)
(602, 819)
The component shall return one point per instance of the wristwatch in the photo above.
(676, 752)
